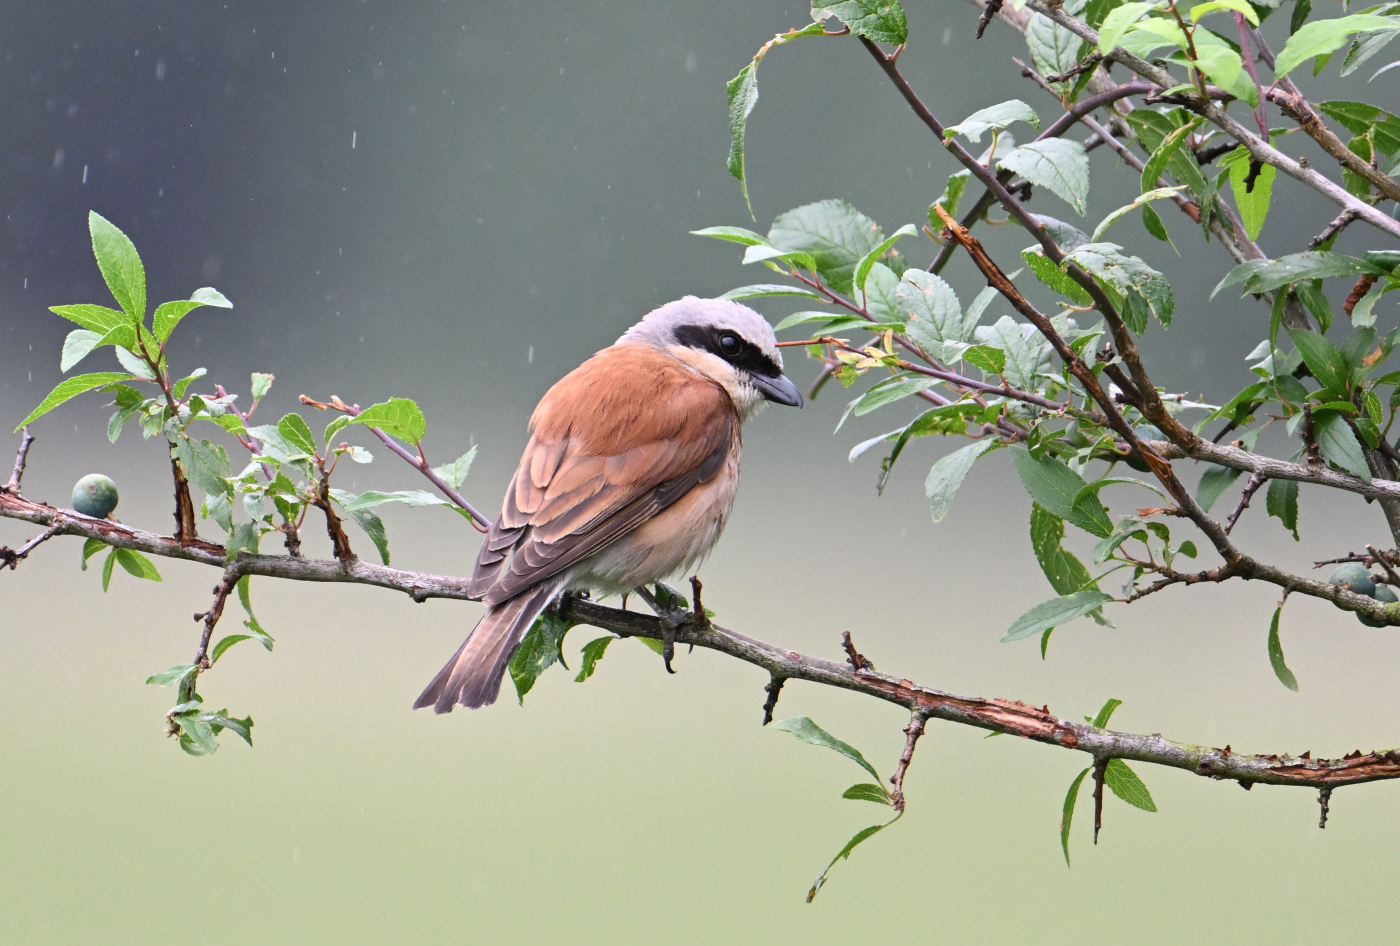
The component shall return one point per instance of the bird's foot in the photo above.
(670, 608)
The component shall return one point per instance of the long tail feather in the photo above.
(472, 678)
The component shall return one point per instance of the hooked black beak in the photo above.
(780, 390)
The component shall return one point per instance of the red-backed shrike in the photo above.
(629, 476)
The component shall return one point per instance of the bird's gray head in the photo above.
(725, 340)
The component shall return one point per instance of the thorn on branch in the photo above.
(21, 458)
(1324, 802)
(912, 732)
(992, 9)
(773, 688)
(1100, 771)
(856, 660)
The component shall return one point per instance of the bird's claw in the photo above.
(671, 619)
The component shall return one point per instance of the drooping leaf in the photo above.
(867, 791)
(833, 233)
(846, 852)
(541, 648)
(948, 474)
(995, 117)
(69, 389)
(1339, 445)
(881, 21)
(1281, 502)
(1214, 482)
(742, 92)
(1124, 783)
(1139, 290)
(809, 732)
(1057, 488)
(1067, 814)
(136, 564)
(1051, 614)
(1285, 676)
(592, 653)
(454, 474)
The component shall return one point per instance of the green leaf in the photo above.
(94, 318)
(989, 359)
(120, 264)
(373, 527)
(1155, 130)
(1065, 573)
(409, 497)
(79, 343)
(196, 735)
(335, 427)
(1263, 275)
(1325, 36)
(1339, 445)
(1215, 6)
(952, 194)
(90, 548)
(1057, 488)
(260, 385)
(176, 674)
(867, 791)
(592, 653)
(1362, 314)
(1105, 713)
(932, 311)
(541, 648)
(1067, 815)
(1285, 676)
(1117, 23)
(206, 465)
(1252, 198)
(1124, 783)
(168, 315)
(948, 473)
(768, 290)
(296, 432)
(1281, 502)
(136, 564)
(397, 417)
(1051, 614)
(1311, 295)
(1049, 272)
(846, 852)
(1061, 165)
(1053, 48)
(742, 92)
(1139, 289)
(243, 728)
(454, 474)
(863, 266)
(1142, 201)
(211, 297)
(881, 21)
(69, 389)
(733, 235)
(1214, 482)
(995, 117)
(833, 233)
(809, 732)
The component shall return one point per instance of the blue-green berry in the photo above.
(1383, 593)
(1356, 577)
(95, 495)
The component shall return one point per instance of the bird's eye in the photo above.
(729, 343)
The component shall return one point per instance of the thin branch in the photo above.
(420, 463)
(1324, 802)
(1100, 773)
(774, 688)
(12, 557)
(1338, 224)
(222, 590)
(996, 715)
(1384, 563)
(1252, 487)
(21, 458)
(912, 732)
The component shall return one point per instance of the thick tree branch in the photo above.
(996, 715)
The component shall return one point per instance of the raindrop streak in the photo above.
(58, 158)
(85, 167)
(160, 70)
(530, 356)
(353, 136)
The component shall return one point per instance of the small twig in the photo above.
(992, 9)
(774, 687)
(1367, 560)
(1256, 480)
(12, 557)
(340, 542)
(1338, 224)
(1314, 453)
(1381, 560)
(21, 458)
(1084, 65)
(1100, 771)
(912, 732)
(222, 590)
(697, 614)
(1324, 801)
(420, 463)
(856, 660)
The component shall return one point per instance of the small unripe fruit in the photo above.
(1145, 432)
(1384, 594)
(1354, 575)
(95, 495)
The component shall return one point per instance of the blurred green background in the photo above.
(458, 202)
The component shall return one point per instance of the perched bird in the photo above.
(629, 476)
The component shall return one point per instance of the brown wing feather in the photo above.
(618, 439)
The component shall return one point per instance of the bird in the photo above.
(628, 477)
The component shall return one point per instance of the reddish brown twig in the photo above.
(21, 458)
(1324, 801)
(1256, 480)
(12, 557)
(856, 660)
(912, 732)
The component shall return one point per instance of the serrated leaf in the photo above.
(742, 92)
(989, 359)
(1252, 198)
(1321, 37)
(1060, 165)
(1051, 614)
(94, 318)
(409, 497)
(592, 653)
(931, 310)
(769, 290)
(879, 20)
(1263, 275)
(867, 791)
(260, 385)
(541, 648)
(295, 431)
(1049, 273)
(833, 233)
(1053, 48)
(206, 465)
(69, 389)
(211, 297)
(1117, 23)
(995, 117)
(1124, 783)
(1057, 488)
(454, 474)
(948, 474)
(1339, 445)
(120, 265)
(866, 262)
(168, 315)
(1281, 502)
(397, 417)
(175, 674)
(137, 564)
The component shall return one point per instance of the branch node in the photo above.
(856, 660)
(912, 732)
